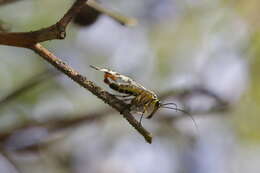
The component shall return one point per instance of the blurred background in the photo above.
(200, 54)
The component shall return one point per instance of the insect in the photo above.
(142, 100)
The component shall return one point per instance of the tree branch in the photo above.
(117, 104)
(3, 2)
(56, 31)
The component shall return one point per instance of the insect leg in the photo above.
(106, 80)
(140, 121)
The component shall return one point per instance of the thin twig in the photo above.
(108, 98)
(57, 31)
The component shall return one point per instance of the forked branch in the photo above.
(31, 40)
(56, 31)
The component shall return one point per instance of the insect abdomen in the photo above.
(120, 89)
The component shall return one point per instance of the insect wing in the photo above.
(117, 77)
(105, 70)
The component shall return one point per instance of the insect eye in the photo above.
(157, 104)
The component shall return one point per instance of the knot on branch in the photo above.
(32, 39)
(61, 31)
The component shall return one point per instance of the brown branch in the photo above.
(117, 104)
(56, 31)
(31, 40)
(3, 2)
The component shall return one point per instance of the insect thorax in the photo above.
(145, 102)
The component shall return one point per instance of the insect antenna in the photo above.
(169, 104)
(165, 104)
(180, 110)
